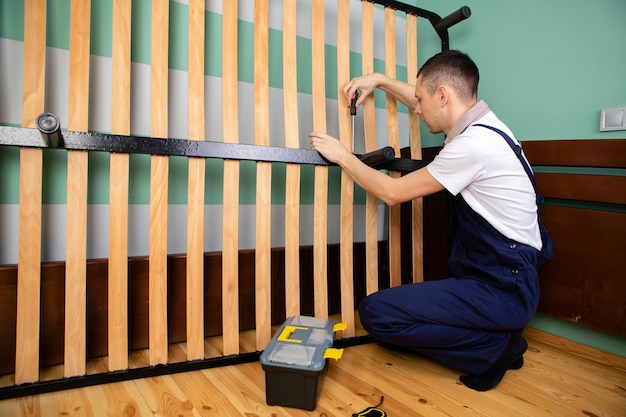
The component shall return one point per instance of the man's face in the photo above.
(428, 107)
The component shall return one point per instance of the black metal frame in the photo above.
(42, 387)
(86, 141)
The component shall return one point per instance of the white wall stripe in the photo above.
(57, 83)
(139, 99)
(100, 94)
(54, 218)
(11, 77)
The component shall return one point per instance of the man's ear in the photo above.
(442, 94)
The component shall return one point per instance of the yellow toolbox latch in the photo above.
(340, 326)
(332, 353)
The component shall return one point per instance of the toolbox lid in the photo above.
(301, 343)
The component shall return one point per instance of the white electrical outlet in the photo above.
(613, 119)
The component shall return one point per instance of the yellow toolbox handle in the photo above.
(288, 331)
(332, 353)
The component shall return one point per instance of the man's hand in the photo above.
(365, 84)
(329, 147)
(400, 90)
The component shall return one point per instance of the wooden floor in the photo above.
(560, 378)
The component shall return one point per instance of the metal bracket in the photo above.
(441, 25)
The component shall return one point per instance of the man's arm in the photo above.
(390, 190)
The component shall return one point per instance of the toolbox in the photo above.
(296, 360)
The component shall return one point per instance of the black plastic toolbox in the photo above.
(296, 360)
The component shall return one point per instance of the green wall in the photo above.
(547, 67)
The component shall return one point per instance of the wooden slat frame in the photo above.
(159, 169)
(230, 240)
(196, 185)
(119, 181)
(31, 165)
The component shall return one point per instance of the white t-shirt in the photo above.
(479, 164)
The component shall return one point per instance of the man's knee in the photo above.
(374, 315)
(366, 313)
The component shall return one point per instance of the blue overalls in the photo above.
(464, 321)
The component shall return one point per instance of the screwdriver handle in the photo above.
(355, 97)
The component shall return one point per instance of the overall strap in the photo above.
(517, 149)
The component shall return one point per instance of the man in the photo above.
(473, 320)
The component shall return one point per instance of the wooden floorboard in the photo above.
(560, 378)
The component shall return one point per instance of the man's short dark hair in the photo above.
(453, 68)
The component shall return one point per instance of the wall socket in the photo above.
(613, 119)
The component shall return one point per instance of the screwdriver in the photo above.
(355, 97)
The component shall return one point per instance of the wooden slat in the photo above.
(158, 184)
(607, 153)
(261, 73)
(417, 207)
(230, 273)
(33, 85)
(369, 118)
(320, 198)
(28, 273)
(394, 141)
(120, 52)
(78, 99)
(195, 198)
(29, 243)
(347, 183)
(118, 263)
(292, 180)
(118, 190)
(76, 264)
(230, 245)
(263, 266)
(76, 243)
